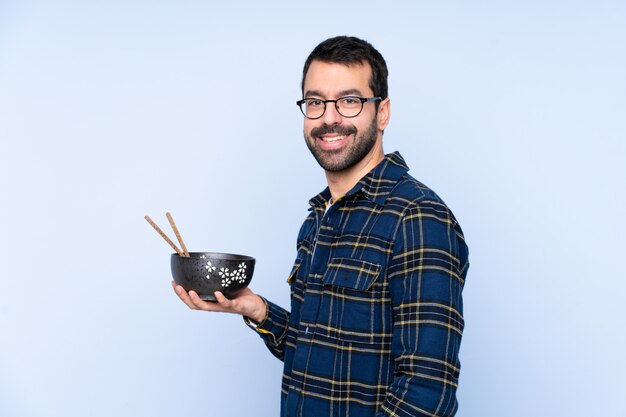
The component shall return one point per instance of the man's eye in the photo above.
(350, 101)
(314, 103)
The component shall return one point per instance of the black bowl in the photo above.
(207, 272)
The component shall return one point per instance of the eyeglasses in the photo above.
(349, 106)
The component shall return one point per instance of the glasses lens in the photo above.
(349, 106)
(313, 108)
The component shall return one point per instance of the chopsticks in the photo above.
(184, 252)
(180, 239)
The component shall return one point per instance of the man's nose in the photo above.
(331, 115)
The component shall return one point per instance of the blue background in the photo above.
(514, 112)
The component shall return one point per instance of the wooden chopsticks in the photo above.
(182, 252)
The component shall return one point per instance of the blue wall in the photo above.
(513, 113)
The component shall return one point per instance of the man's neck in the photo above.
(341, 182)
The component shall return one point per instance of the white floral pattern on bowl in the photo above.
(228, 277)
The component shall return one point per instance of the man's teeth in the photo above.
(333, 138)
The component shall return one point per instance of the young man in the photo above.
(376, 310)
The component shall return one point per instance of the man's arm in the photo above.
(272, 328)
(426, 278)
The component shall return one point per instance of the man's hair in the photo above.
(348, 50)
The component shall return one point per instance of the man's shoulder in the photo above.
(411, 199)
(410, 192)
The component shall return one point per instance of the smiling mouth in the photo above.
(330, 139)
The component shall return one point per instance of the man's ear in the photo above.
(384, 113)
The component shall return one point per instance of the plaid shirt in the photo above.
(376, 309)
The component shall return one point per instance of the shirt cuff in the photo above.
(253, 324)
(273, 327)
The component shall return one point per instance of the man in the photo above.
(376, 310)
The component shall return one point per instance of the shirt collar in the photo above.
(375, 185)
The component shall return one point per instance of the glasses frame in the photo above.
(363, 100)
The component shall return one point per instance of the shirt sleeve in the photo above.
(273, 328)
(426, 277)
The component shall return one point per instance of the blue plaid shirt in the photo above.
(376, 310)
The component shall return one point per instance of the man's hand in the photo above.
(245, 303)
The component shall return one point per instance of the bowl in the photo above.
(207, 272)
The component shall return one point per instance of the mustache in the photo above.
(326, 129)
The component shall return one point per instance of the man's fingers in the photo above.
(223, 301)
(199, 303)
(227, 305)
(194, 302)
(195, 298)
(184, 296)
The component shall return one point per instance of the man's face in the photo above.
(338, 142)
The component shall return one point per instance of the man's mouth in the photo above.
(330, 139)
(333, 138)
(333, 141)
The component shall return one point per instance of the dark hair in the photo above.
(349, 50)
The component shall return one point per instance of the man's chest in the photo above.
(339, 288)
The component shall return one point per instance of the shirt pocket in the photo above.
(352, 307)
(353, 274)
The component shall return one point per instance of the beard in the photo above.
(337, 160)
